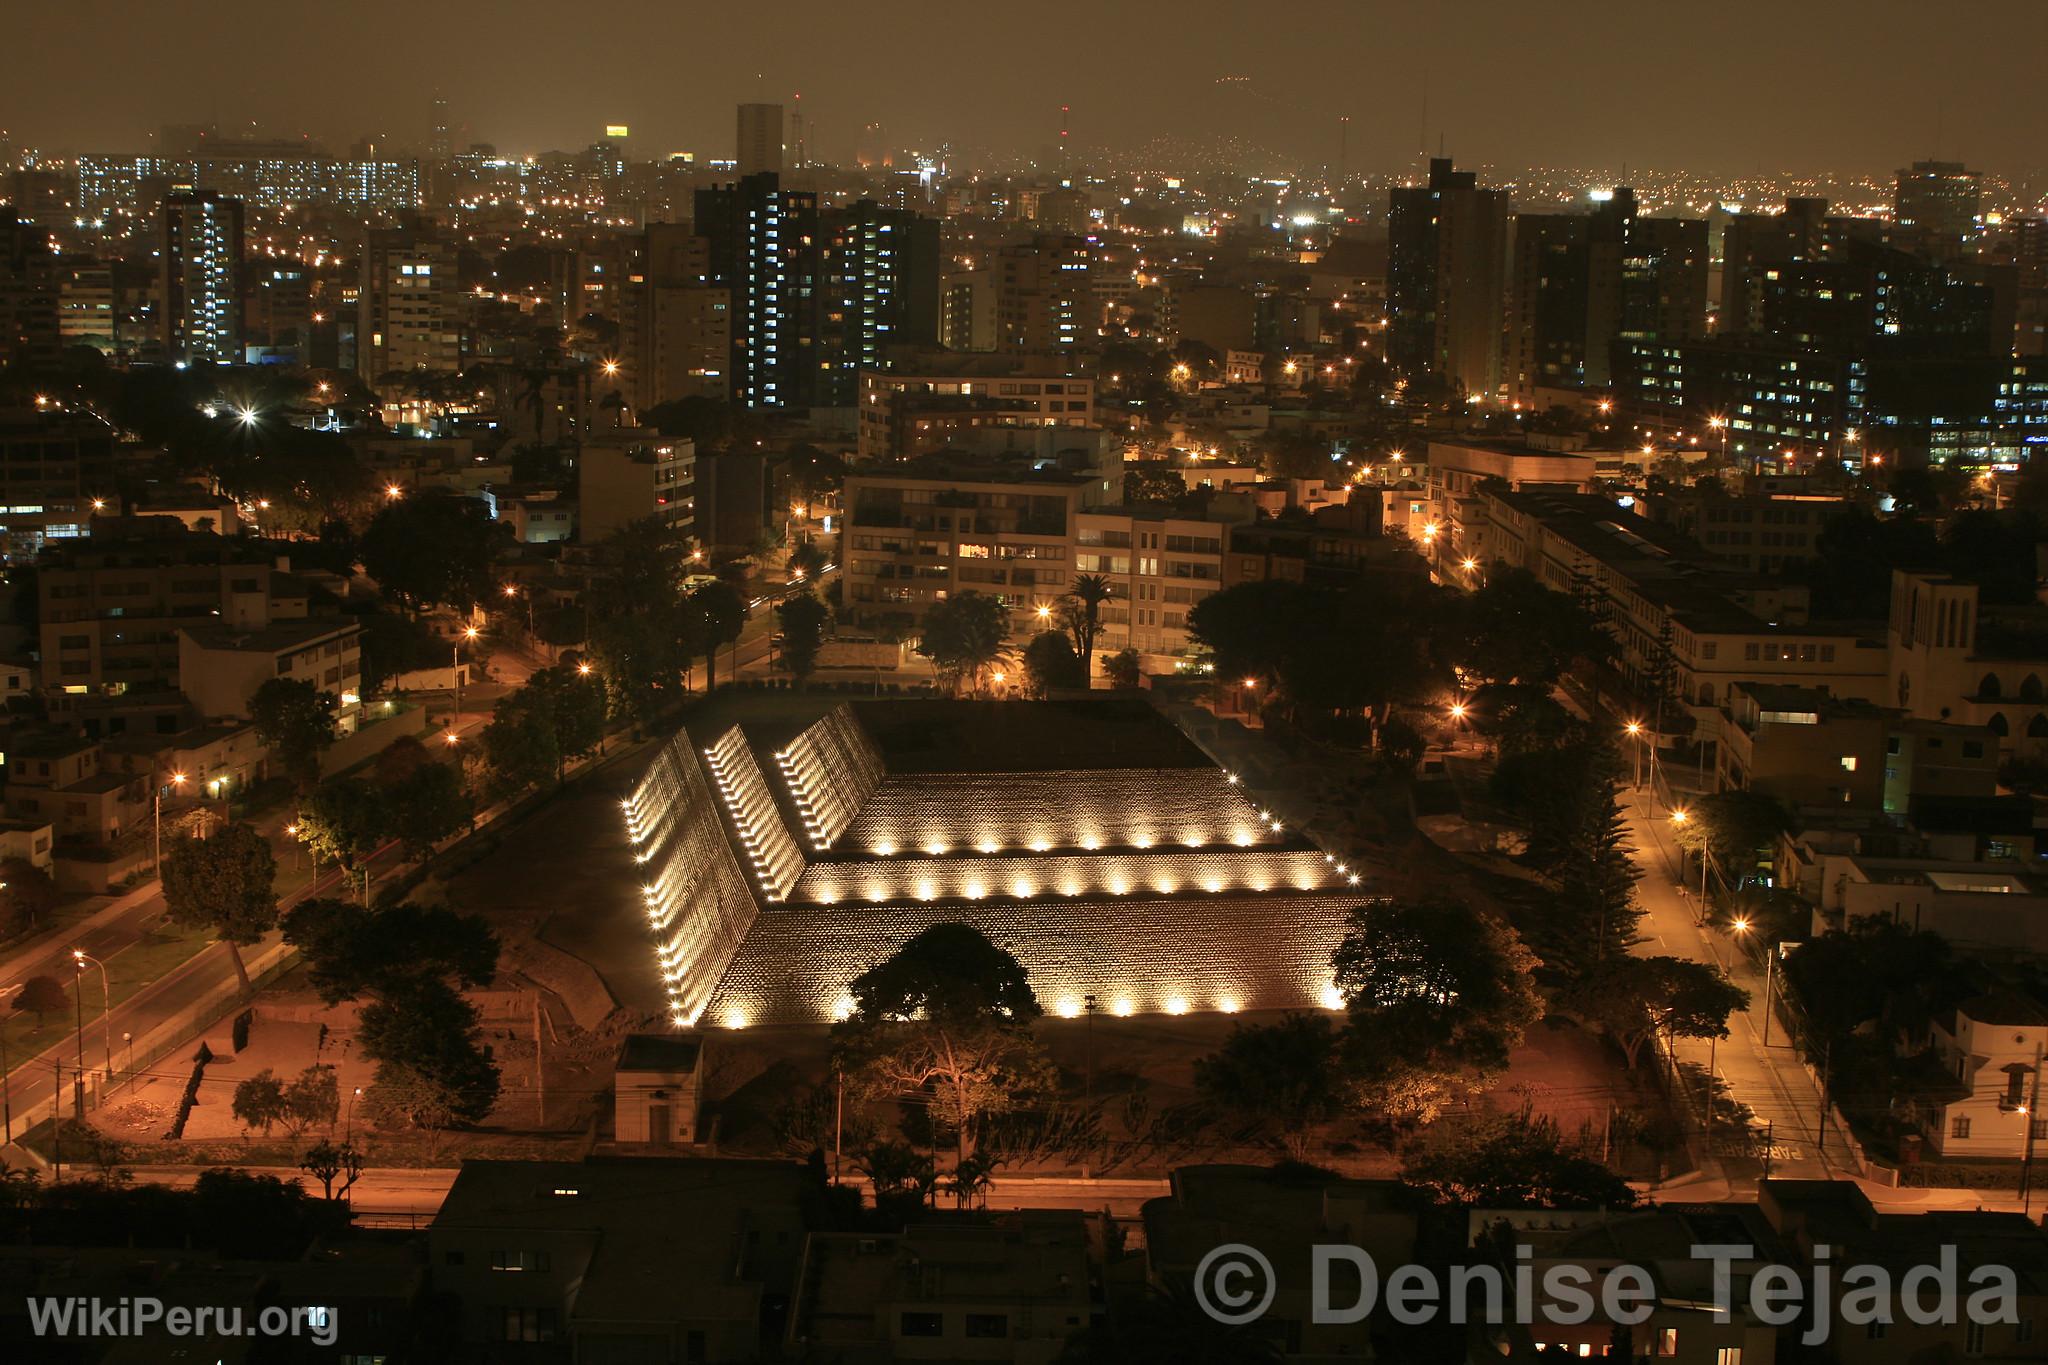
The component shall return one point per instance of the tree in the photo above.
(1290, 1074)
(723, 614)
(426, 806)
(41, 994)
(296, 719)
(806, 560)
(1633, 999)
(1401, 745)
(225, 883)
(1578, 840)
(1436, 992)
(258, 1101)
(427, 549)
(27, 895)
(1153, 481)
(433, 1067)
(1122, 668)
(1514, 629)
(965, 635)
(341, 820)
(948, 1014)
(519, 745)
(803, 617)
(1736, 829)
(349, 950)
(425, 1035)
(329, 1161)
(1081, 614)
(1872, 975)
(311, 1097)
(1050, 662)
(1509, 1161)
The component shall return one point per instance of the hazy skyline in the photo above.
(1731, 88)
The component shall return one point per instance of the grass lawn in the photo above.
(156, 953)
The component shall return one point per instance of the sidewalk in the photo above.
(1772, 1081)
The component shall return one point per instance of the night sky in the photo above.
(1723, 86)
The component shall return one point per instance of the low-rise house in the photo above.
(220, 667)
(1283, 1217)
(630, 1258)
(1682, 1326)
(1992, 1046)
(63, 781)
(655, 1089)
(1013, 1289)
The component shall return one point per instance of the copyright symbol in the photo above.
(1234, 1284)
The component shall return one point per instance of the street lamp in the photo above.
(468, 633)
(81, 957)
(1741, 926)
(177, 780)
(1634, 730)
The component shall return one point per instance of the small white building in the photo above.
(656, 1085)
(1992, 1045)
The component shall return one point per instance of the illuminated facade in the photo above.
(1089, 839)
(202, 272)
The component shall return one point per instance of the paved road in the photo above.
(129, 920)
(418, 1193)
(1771, 1081)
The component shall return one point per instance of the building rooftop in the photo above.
(270, 639)
(991, 736)
(663, 1052)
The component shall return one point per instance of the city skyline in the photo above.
(1366, 87)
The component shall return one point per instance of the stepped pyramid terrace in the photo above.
(1089, 838)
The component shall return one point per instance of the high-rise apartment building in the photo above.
(1756, 244)
(1447, 252)
(760, 140)
(409, 301)
(679, 342)
(881, 289)
(1934, 208)
(1044, 298)
(1580, 283)
(967, 310)
(763, 250)
(202, 270)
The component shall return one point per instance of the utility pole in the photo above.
(2027, 1163)
(1770, 965)
(78, 1007)
(838, 1119)
(1827, 1059)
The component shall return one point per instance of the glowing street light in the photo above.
(1741, 926)
(177, 780)
(82, 957)
(393, 492)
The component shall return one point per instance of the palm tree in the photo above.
(1081, 613)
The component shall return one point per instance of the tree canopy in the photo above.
(226, 883)
(947, 1015)
(965, 635)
